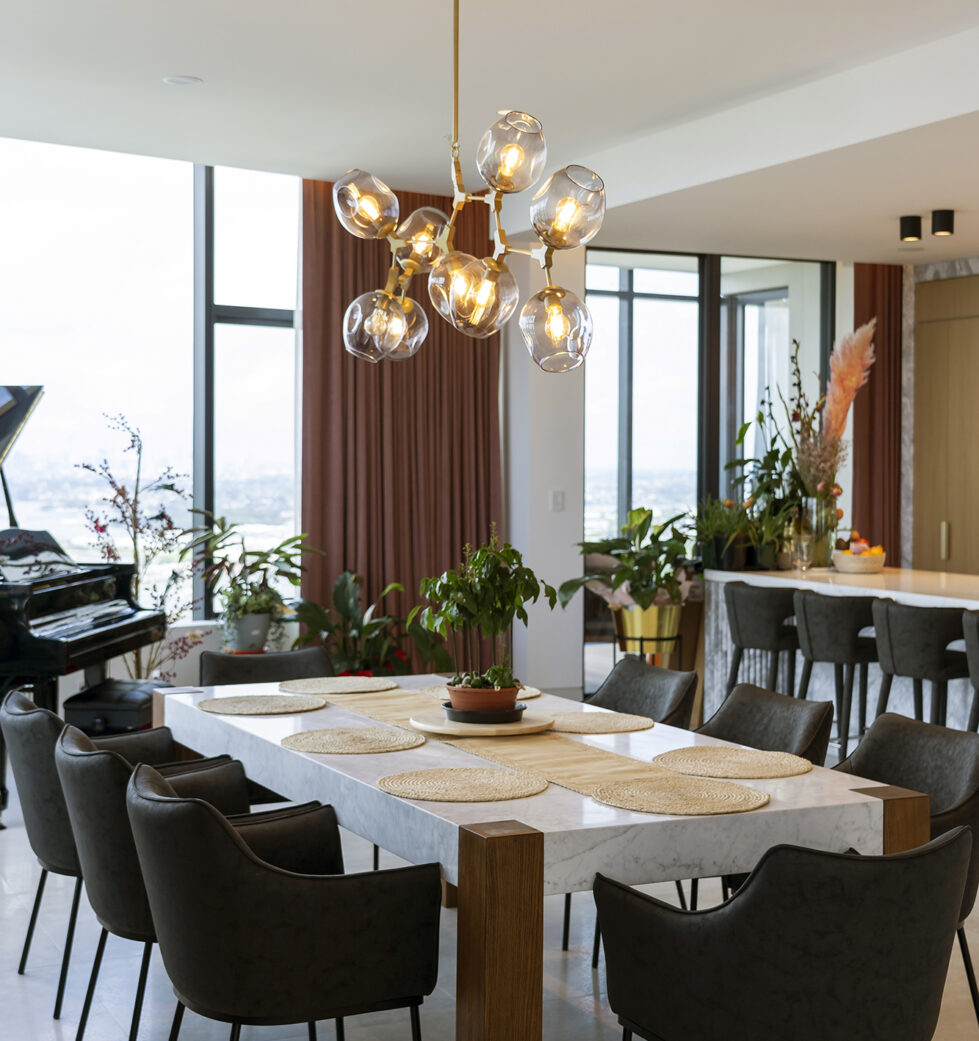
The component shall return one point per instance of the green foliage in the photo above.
(496, 676)
(362, 640)
(481, 598)
(647, 556)
(717, 519)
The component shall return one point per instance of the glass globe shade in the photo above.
(448, 268)
(415, 332)
(557, 328)
(364, 205)
(568, 209)
(512, 152)
(420, 229)
(476, 296)
(374, 325)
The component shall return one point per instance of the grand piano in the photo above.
(56, 616)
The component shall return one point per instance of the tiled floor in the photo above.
(574, 997)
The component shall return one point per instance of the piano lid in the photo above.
(28, 555)
(16, 406)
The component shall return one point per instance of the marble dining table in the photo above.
(499, 859)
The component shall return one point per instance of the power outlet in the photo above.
(557, 500)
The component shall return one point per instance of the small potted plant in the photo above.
(245, 578)
(480, 600)
(723, 529)
(646, 561)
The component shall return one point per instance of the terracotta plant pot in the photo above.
(482, 699)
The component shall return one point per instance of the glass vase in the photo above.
(817, 519)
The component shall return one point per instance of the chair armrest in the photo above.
(220, 782)
(302, 839)
(141, 746)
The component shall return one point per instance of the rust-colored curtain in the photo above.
(400, 460)
(877, 411)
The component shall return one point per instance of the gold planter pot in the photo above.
(657, 626)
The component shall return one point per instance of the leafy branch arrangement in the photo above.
(481, 598)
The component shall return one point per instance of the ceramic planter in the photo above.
(250, 632)
(483, 699)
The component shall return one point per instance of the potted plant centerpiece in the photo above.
(646, 561)
(245, 578)
(479, 601)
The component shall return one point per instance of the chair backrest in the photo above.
(773, 722)
(242, 939)
(830, 625)
(814, 946)
(757, 614)
(647, 690)
(911, 641)
(942, 763)
(30, 734)
(218, 669)
(970, 626)
(94, 782)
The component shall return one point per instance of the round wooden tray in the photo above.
(434, 722)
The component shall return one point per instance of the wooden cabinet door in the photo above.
(931, 443)
(963, 445)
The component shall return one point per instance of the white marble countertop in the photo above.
(907, 586)
(581, 836)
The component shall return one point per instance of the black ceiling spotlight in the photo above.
(911, 229)
(943, 222)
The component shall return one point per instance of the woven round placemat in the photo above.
(337, 685)
(599, 722)
(353, 740)
(261, 705)
(719, 761)
(442, 692)
(463, 784)
(676, 794)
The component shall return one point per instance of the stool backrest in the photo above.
(647, 690)
(830, 625)
(757, 614)
(970, 626)
(218, 669)
(911, 641)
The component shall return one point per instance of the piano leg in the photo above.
(46, 693)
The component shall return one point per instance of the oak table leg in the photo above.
(499, 982)
(906, 816)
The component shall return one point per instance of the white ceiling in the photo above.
(315, 88)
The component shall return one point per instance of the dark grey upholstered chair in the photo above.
(814, 946)
(218, 669)
(970, 626)
(647, 690)
(829, 631)
(644, 690)
(246, 941)
(93, 779)
(757, 616)
(913, 641)
(773, 722)
(944, 764)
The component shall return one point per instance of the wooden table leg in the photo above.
(906, 816)
(499, 981)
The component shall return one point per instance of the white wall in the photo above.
(543, 422)
(844, 325)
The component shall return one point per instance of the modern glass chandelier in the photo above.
(476, 296)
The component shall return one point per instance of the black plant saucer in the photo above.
(459, 715)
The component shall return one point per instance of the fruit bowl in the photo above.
(858, 563)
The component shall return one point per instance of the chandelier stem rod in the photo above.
(455, 75)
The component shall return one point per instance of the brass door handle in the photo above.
(943, 540)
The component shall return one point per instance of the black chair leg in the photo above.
(804, 679)
(144, 968)
(919, 700)
(416, 1024)
(69, 938)
(886, 680)
(790, 674)
(626, 1034)
(974, 711)
(862, 728)
(838, 693)
(178, 1018)
(772, 681)
(312, 1031)
(33, 922)
(597, 945)
(939, 696)
(725, 888)
(970, 974)
(680, 894)
(339, 1025)
(235, 1032)
(732, 677)
(845, 710)
(96, 965)
(694, 885)
(566, 929)
(377, 856)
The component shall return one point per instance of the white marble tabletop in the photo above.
(906, 585)
(581, 836)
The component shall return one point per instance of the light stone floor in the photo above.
(575, 1008)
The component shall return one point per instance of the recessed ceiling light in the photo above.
(910, 229)
(182, 81)
(942, 222)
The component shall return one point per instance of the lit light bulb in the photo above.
(420, 230)
(556, 324)
(415, 331)
(564, 218)
(557, 328)
(382, 325)
(364, 205)
(374, 325)
(476, 296)
(568, 209)
(510, 158)
(511, 154)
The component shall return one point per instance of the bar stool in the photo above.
(829, 631)
(970, 625)
(757, 616)
(913, 641)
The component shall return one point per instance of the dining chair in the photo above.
(970, 628)
(245, 941)
(813, 946)
(219, 669)
(644, 690)
(758, 617)
(941, 762)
